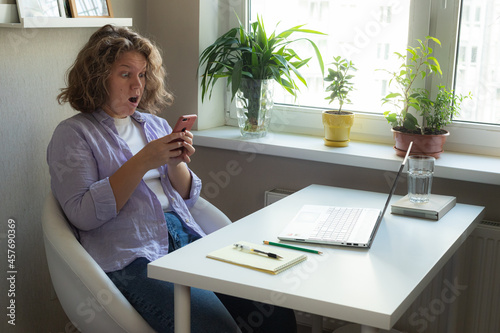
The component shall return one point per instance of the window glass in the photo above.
(477, 59)
(367, 32)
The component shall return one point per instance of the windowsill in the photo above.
(451, 165)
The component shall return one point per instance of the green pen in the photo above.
(292, 247)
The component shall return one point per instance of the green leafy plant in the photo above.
(253, 54)
(439, 112)
(416, 65)
(341, 83)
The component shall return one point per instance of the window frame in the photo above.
(435, 18)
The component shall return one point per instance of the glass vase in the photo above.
(254, 103)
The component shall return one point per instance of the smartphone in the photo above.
(185, 123)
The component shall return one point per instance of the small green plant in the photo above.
(256, 55)
(340, 79)
(439, 112)
(416, 65)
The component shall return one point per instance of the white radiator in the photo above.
(274, 195)
(464, 297)
(483, 301)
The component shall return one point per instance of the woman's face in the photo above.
(126, 84)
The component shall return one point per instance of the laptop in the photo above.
(345, 226)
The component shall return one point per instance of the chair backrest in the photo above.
(208, 217)
(89, 298)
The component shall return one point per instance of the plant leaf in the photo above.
(236, 78)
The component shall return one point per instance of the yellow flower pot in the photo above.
(337, 128)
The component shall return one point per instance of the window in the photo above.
(478, 56)
(385, 14)
(368, 32)
(478, 14)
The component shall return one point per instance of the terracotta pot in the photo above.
(430, 145)
(337, 128)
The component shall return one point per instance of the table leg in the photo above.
(182, 308)
(369, 329)
(317, 323)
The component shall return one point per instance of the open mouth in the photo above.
(133, 99)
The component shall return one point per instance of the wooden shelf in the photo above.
(60, 22)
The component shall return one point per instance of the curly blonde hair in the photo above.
(86, 79)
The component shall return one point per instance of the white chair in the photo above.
(89, 298)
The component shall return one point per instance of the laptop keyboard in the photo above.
(337, 224)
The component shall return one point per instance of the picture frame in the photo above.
(41, 8)
(91, 8)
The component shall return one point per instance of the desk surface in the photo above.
(371, 287)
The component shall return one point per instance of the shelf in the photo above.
(62, 22)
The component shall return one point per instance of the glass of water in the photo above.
(420, 172)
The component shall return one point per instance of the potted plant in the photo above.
(429, 138)
(251, 61)
(415, 67)
(338, 123)
(439, 112)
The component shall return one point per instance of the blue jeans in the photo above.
(179, 234)
(210, 312)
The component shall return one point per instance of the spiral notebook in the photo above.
(261, 263)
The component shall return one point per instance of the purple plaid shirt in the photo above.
(84, 152)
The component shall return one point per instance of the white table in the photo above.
(371, 287)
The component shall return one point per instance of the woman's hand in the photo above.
(187, 149)
(165, 150)
(171, 149)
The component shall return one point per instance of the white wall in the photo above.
(30, 79)
(182, 28)
(239, 191)
(173, 25)
(33, 63)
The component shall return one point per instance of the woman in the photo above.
(122, 179)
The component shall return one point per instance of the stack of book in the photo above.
(434, 209)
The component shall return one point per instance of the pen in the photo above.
(258, 252)
(292, 247)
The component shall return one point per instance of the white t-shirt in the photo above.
(132, 133)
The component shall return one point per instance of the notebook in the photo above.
(232, 255)
(346, 226)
